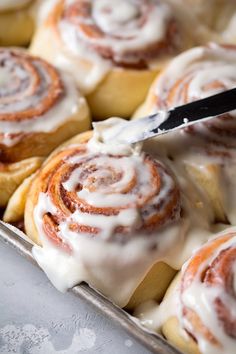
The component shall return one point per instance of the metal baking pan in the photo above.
(153, 342)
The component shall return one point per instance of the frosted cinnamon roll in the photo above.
(113, 48)
(40, 107)
(101, 208)
(16, 22)
(204, 296)
(207, 150)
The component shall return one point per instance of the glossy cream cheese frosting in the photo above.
(113, 263)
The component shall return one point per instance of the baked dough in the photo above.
(112, 68)
(16, 22)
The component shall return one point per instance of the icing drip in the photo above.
(202, 297)
(103, 35)
(206, 148)
(96, 207)
(207, 295)
(126, 32)
(108, 216)
(34, 97)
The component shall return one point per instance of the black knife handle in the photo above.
(207, 107)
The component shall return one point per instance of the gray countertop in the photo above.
(37, 319)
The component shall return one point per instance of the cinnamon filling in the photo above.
(102, 175)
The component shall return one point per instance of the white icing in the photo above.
(13, 4)
(124, 13)
(63, 109)
(204, 65)
(128, 27)
(114, 134)
(40, 9)
(110, 196)
(5, 76)
(198, 68)
(200, 298)
(129, 217)
(91, 257)
(107, 267)
(91, 260)
(104, 139)
(91, 71)
(113, 17)
(120, 12)
(56, 116)
(195, 203)
(146, 313)
(100, 260)
(181, 252)
(153, 315)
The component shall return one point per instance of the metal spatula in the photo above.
(176, 118)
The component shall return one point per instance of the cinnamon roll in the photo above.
(16, 22)
(13, 174)
(114, 49)
(40, 107)
(14, 211)
(206, 151)
(109, 214)
(204, 296)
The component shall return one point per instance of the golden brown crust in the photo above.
(15, 209)
(19, 24)
(79, 14)
(212, 268)
(30, 98)
(153, 286)
(30, 91)
(13, 174)
(125, 84)
(107, 101)
(58, 169)
(218, 272)
(172, 332)
(41, 144)
(171, 328)
(204, 152)
(34, 189)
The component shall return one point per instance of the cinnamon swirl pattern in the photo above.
(90, 209)
(205, 152)
(196, 74)
(207, 295)
(39, 106)
(128, 33)
(111, 42)
(103, 196)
